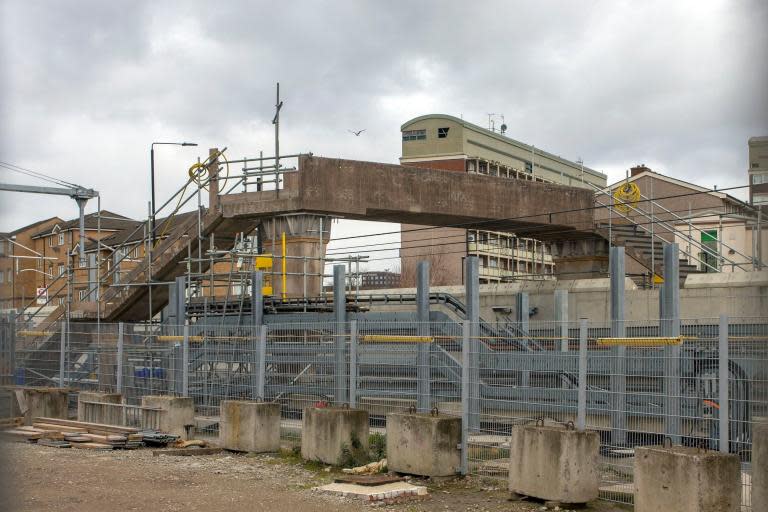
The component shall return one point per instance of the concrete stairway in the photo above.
(638, 246)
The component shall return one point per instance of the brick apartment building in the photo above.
(439, 141)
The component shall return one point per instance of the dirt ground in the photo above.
(54, 479)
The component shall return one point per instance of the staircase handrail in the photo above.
(653, 235)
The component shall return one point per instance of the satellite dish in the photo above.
(503, 128)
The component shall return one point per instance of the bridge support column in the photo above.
(619, 354)
(580, 259)
(669, 301)
(472, 294)
(306, 238)
(423, 359)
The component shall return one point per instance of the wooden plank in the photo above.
(58, 428)
(87, 425)
(186, 452)
(93, 446)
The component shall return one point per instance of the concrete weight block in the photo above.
(554, 463)
(326, 431)
(249, 426)
(686, 479)
(422, 444)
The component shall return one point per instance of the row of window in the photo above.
(759, 179)
(442, 133)
(760, 199)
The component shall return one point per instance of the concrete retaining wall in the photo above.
(32, 402)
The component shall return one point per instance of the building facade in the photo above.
(758, 171)
(439, 141)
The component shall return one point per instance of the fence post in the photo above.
(724, 412)
(618, 330)
(465, 360)
(523, 318)
(261, 368)
(12, 347)
(423, 403)
(120, 351)
(670, 326)
(340, 310)
(353, 363)
(561, 318)
(472, 274)
(581, 409)
(62, 350)
(185, 361)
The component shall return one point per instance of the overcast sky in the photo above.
(87, 86)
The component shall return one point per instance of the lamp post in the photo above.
(152, 180)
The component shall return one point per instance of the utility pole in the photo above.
(276, 122)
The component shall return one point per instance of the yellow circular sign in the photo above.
(626, 197)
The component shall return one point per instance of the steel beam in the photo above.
(423, 403)
(670, 326)
(340, 345)
(619, 354)
(472, 297)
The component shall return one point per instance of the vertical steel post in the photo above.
(12, 348)
(523, 317)
(423, 370)
(724, 412)
(257, 298)
(561, 318)
(180, 299)
(261, 369)
(62, 352)
(465, 364)
(472, 295)
(670, 326)
(353, 363)
(185, 361)
(340, 316)
(619, 354)
(120, 356)
(581, 409)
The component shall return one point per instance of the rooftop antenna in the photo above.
(581, 163)
(490, 121)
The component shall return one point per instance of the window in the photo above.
(61, 269)
(755, 165)
(442, 133)
(61, 238)
(759, 179)
(50, 241)
(61, 301)
(761, 199)
(83, 294)
(2, 276)
(529, 167)
(414, 135)
(81, 263)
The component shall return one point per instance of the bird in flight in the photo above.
(356, 133)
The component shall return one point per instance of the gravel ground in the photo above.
(53, 479)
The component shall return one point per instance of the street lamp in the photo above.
(152, 180)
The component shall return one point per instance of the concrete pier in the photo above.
(554, 463)
(327, 431)
(760, 464)
(248, 426)
(422, 444)
(93, 413)
(686, 479)
(177, 414)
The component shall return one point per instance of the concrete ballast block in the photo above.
(326, 431)
(760, 464)
(686, 479)
(249, 426)
(177, 414)
(554, 463)
(421, 444)
(32, 402)
(107, 415)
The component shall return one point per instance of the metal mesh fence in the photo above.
(700, 383)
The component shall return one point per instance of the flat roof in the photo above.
(504, 139)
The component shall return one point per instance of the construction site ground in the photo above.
(42, 478)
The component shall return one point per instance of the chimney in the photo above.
(634, 171)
